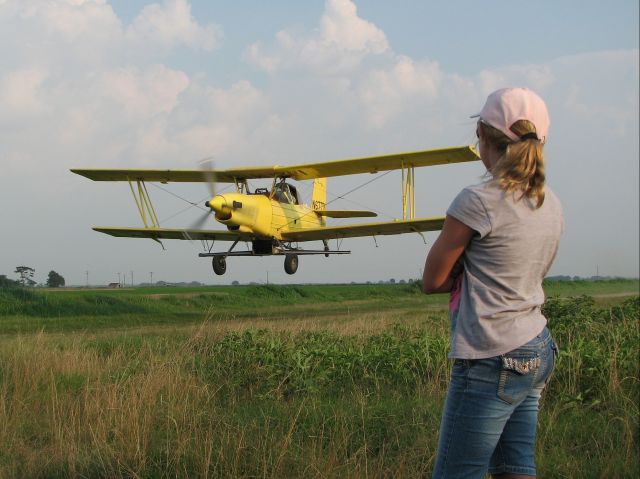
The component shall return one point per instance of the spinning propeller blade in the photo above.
(209, 175)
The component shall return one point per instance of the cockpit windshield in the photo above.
(286, 193)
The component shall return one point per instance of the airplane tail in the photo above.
(319, 195)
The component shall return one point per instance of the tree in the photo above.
(25, 274)
(6, 282)
(55, 280)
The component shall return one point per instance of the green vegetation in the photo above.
(598, 289)
(25, 310)
(55, 280)
(286, 381)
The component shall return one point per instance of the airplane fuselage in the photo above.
(262, 215)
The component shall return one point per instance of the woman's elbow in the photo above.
(429, 286)
(432, 284)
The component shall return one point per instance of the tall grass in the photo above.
(297, 401)
(241, 405)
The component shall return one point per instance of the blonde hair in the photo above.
(520, 167)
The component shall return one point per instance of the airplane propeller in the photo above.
(199, 223)
(208, 173)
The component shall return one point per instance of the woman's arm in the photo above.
(444, 253)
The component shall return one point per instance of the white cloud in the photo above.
(144, 94)
(79, 35)
(172, 24)
(389, 92)
(340, 44)
(261, 60)
(603, 90)
(84, 83)
(536, 77)
(236, 103)
(20, 92)
(77, 19)
(342, 29)
(217, 121)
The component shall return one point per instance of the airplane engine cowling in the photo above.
(248, 212)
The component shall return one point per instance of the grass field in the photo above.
(287, 381)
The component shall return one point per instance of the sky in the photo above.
(165, 83)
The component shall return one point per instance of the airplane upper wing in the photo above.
(169, 233)
(371, 164)
(366, 229)
(374, 164)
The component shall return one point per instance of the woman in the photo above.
(497, 244)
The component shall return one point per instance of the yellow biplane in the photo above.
(274, 220)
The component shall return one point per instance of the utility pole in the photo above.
(132, 279)
(119, 280)
(87, 272)
(267, 276)
(151, 277)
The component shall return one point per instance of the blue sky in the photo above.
(96, 83)
(501, 32)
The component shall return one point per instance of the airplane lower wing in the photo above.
(313, 234)
(180, 234)
(366, 229)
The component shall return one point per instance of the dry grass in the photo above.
(68, 410)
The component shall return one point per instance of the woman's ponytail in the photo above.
(521, 164)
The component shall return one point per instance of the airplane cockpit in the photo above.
(285, 193)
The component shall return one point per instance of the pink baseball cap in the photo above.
(506, 106)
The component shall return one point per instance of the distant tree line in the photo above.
(581, 278)
(25, 278)
(6, 282)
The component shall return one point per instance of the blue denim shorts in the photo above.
(491, 412)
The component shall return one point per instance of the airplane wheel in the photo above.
(219, 264)
(291, 263)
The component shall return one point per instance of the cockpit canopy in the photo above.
(286, 193)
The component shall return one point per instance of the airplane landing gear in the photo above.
(219, 264)
(269, 247)
(291, 263)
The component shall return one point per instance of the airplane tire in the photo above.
(219, 264)
(291, 263)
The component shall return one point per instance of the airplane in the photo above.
(274, 220)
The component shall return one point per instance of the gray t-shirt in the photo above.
(504, 264)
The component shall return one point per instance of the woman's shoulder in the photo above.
(486, 189)
(479, 196)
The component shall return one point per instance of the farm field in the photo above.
(287, 381)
